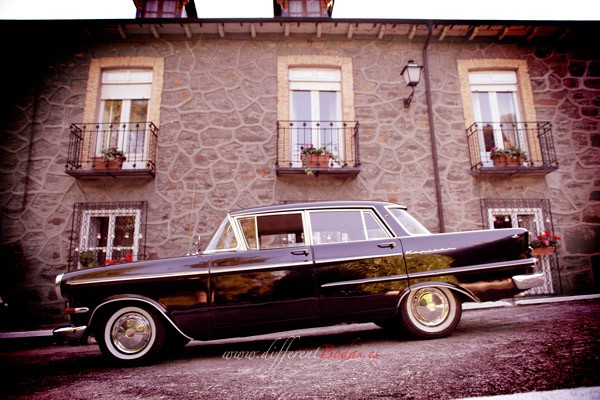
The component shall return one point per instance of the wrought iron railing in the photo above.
(137, 141)
(535, 139)
(339, 139)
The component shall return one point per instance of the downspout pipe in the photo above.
(434, 154)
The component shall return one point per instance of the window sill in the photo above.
(345, 171)
(512, 170)
(113, 173)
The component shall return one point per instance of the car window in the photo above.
(344, 226)
(408, 222)
(373, 227)
(248, 225)
(273, 231)
(223, 239)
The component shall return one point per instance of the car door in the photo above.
(359, 265)
(271, 283)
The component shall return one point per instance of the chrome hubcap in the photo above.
(430, 306)
(131, 333)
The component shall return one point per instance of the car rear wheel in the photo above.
(131, 335)
(430, 312)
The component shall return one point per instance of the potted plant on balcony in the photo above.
(86, 259)
(314, 157)
(510, 156)
(111, 158)
(544, 243)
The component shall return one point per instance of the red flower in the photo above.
(545, 239)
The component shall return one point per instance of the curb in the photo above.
(527, 301)
(583, 393)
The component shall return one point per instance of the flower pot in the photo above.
(315, 160)
(541, 251)
(503, 161)
(99, 164)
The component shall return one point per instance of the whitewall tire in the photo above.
(430, 312)
(131, 335)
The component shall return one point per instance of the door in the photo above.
(359, 265)
(496, 108)
(124, 100)
(271, 283)
(315, 110)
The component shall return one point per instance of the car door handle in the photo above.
(389, 245)
(303, 252)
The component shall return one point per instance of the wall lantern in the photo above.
(412, 74)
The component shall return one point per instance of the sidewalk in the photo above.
(44, 337)
(585, 393)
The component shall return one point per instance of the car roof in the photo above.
(314, 205)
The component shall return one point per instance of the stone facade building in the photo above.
(214, 115)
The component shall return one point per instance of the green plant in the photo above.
(86, 258)
(509, 152)
(310, 149)
(113, 154)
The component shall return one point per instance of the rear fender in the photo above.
(463, 294)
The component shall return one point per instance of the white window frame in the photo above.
(317, 238)
(514, 216)
(125, 85)
(316, 80)
(496, 81)
(84, 242)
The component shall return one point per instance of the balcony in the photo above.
(137, 140)
(535, 139)
(338, 138)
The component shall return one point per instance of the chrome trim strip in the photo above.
(366, 281)
(447, 271)
(134, 278)
(474, 268)
(357, 258)
(80, 310)
(524, 282)
(222, 270)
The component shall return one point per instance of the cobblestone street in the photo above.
(493, 351)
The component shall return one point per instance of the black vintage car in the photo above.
(293, 266)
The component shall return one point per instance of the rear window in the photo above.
(345, 226)
(408, 222)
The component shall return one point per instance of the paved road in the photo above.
(495, 351)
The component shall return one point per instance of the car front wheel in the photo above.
(430, 312)
(131, 335)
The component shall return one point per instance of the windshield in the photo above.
(408, 222)
(223, 239)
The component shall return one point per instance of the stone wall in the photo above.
(217, 147)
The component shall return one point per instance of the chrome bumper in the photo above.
(70, 333)
(524, 282)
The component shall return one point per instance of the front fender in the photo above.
(96, 317)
